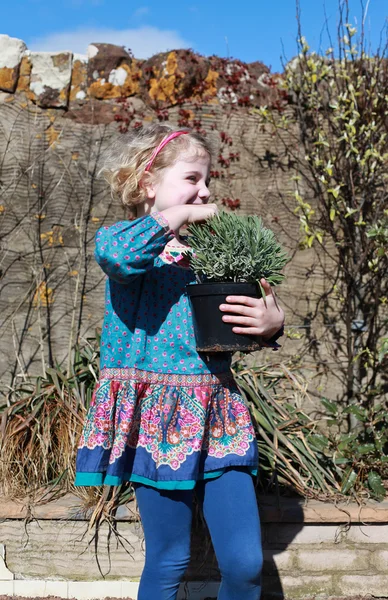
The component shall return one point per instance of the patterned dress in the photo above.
(161, 414)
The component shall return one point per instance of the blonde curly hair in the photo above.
(126, 160)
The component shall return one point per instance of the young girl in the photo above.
(163, 416)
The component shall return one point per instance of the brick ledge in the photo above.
(272, 510)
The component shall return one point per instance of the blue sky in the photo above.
(249, 29)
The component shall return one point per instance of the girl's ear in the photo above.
(148, 186)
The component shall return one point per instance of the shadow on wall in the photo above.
(279, 525)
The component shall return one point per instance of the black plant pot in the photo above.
(211, 332)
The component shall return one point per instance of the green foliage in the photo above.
(41, 428)
(360, 458)
(231, 247)
(291, 449)
(332, 128)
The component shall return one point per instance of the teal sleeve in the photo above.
(128, 249)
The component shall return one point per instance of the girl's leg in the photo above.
(231, 512)
(166, 518)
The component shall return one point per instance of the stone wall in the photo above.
(58, 112)
(310, 548)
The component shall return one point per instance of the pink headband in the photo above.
(162, 144)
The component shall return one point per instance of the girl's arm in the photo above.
(127, 249)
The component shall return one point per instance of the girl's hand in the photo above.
(252, 316)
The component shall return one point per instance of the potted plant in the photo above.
(230, 254)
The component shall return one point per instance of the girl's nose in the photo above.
(204, 193)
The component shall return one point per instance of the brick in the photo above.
(333, 559)
(285, 534)
(280, 561)
(379, 560)
(129, 589)
(364, 585)
(6, 588)
(87, 590)
(56, 588)
(5, 573)
(29, 588)
(368, 534)
(300, 586)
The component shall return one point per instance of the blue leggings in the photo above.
(230, 509)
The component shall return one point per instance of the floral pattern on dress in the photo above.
(175, 256)
(170, 423)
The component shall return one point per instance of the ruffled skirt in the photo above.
(164, 430)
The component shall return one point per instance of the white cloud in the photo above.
(144, 41)
(141, 11)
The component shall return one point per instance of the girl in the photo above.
(163, 416)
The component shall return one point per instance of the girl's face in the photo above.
(185, 182)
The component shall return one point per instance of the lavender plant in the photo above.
(231, 247)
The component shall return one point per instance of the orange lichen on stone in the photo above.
(44, 296)
(52, 135)
(106, 90)
(23, 84)
(163, 89)
(211, 83)
(172, 64)
(101, 90)
(7, 78)
(131, 85)
(78, 82)
(64, 94)
(168, 81)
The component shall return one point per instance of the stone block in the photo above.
(363, 585)
(379, 560)
(112, 72)
(333, 559)
(79, 80)
(29, 588)
(23, 84)
(87, 590)
(5, 573)
(286, 533)
(55, 588)
(129, 589)
(11, 54)
(280, 561)
(299, 586)
(50, 78)
(6, 588)
(368, 534)
(171, 77)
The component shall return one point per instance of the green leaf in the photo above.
(340, 460)
(330, 406)
(357, 411)
(366, 449)
(319, 442)
(348, 480)
(375, 484)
